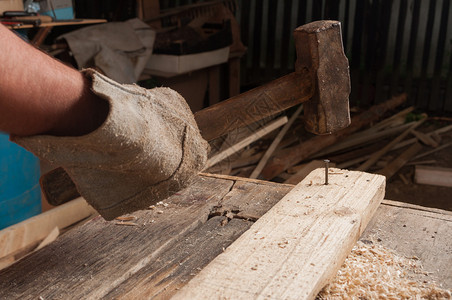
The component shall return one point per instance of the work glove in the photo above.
(148, 148)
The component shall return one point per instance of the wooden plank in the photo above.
(295, 248)
(29, 232)
(245, 142)
(305, 170)
(433, 176)
(377, 155)
(256, 172)
(415, 231)
(78, 265)
(390, 169)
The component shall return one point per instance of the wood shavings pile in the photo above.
(374, 272)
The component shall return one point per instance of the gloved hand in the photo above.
(148, 148)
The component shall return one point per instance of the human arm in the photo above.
(39, 94)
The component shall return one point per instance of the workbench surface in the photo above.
(157, 253)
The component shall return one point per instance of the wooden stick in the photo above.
(433, 150)
(293, 250)
(245, 142)
(30, 231)
(377, 155)
(424, 138)
(400, 161)
(424, 162)
(275, 143)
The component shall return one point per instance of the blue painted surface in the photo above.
(20, 194)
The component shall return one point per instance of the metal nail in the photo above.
(327, 164)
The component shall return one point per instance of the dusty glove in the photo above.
(148, 148)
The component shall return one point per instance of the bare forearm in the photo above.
(41, 95)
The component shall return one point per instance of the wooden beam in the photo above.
(245, 142)
(433, 176)
(297, 246)
(275, 143)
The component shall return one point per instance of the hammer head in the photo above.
(320, 53)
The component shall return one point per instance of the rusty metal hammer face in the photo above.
(320, 54)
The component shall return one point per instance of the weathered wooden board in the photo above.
(98, 258)
(416, 231)
(155, 259)
(295, 248)
(94, 258)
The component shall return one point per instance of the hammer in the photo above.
(321, 81)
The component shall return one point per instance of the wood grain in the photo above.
(78, 265)
(254, 105)
(296, 247)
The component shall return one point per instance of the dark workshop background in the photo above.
(393, 46)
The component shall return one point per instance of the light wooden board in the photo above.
(294, 249)
(33, 230)
(433, 176)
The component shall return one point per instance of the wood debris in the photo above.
(369, 144)
(374, 272)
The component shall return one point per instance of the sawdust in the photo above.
(374, 272)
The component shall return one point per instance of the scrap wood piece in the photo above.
(377, 155)
(391, 168)
(245, 142)
(34, 229)
(305, 170)
(426, 139)
(275, 143)
(297, 246)
(433, 176)
(286, 158)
